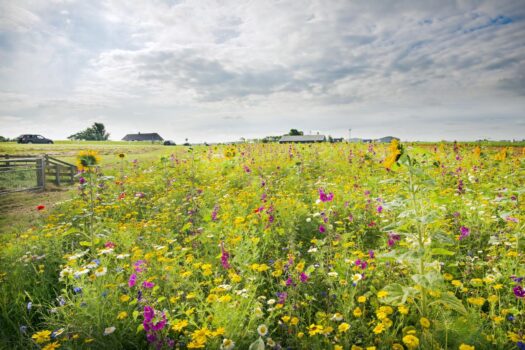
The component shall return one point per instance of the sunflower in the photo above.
(87, 159)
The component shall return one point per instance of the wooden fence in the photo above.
(26, 173)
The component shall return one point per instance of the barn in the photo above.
(302, 139)
(143, 137)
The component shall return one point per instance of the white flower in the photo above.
(262, 330)
(227, 344)
(68, 271)
(357, 277)
(101, 271)
(308, 219)
(91, 265)
(271, 301)
(105, 251)
(122, 256)
(80, 272)
(337, 317)
(270, 342)
(258, 312)
(332, 274)
(312, 250)
(109, 330)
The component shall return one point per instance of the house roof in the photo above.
(143, 137)
(303, 138)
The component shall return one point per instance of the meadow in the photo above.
(267, 246)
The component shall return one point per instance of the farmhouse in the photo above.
(143, 137)
(302, 139)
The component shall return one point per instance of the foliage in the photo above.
(96, 132)
(323, 246)
(295, 132)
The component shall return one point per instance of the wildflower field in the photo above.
(267, 246)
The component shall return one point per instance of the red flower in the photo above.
(40, 207)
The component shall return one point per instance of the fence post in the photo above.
(41, 173)
(57, 174)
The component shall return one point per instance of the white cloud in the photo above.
(234, 69)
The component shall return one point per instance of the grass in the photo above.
(18, 210)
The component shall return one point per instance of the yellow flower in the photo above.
(87, 159)
(294, 321)
(51, 346)
(448, 277)
(179, 326)
(466, 347)
(379, 328)
(315, 329)
(355, 347)
(456, 283)
(403, 310)
(41, 337)
(397, 346)
(411, 341)
(343, 327)
(124, 298)
(492, 299)
(478, 301)
(361, 299)
(338, 347)
(382, 293)
(358, 312)
(425, 323)
(122, 315)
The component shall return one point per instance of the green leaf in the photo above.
(140, 328)
(161, 299)
(442, 251)
(135, 315)
(85, 243)
(451, 302)
(257, 345)
(398, 294)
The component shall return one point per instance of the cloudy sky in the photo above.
(221, 70)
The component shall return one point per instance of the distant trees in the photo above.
(4, 139)
(96, 132)
(295, 132)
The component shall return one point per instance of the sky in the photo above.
(220, 70)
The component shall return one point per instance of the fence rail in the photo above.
(26, 173)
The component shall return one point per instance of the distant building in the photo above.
(143, 137)
(387, 139)
(302, 139)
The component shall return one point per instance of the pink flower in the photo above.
(148, 285)
(465, 232)
(324, 197)
(322, 229)
(132, 280)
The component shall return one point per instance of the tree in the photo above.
(295, 132)
(96, 132)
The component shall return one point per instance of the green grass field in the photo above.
(17, 210)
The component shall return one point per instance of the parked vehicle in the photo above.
(169, 143)
(33, 139)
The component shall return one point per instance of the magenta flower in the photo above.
(148, 285)
(325, 197)
(132, 280)
(519, 292)
(109, 244)
(379, 209)
(322, 229)
(465, 232)
(224, 257)
(138, 266)
(304, 277)
(148, 314)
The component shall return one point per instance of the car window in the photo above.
(39, 137)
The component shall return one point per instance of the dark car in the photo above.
(33, 139)
(169, 143)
